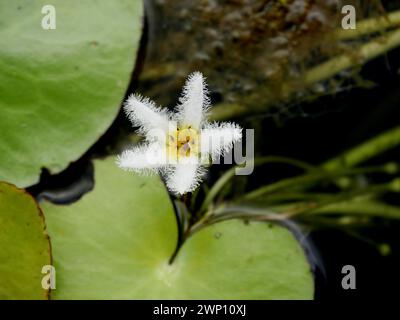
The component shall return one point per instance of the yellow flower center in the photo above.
(183, 142)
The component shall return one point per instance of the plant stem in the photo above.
(322, 72)
(228, 175)
(366, 150)
(353, 203)
(305, 179)
(348, 199)
(369, 26)
(361, 55)
(366, 208)
(290, 196)
(236, 212)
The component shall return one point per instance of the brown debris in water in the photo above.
(246, 48)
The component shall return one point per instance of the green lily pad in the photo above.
(115, 243)
(61, 89)
(25, 246)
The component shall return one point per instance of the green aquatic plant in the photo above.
(125, 237)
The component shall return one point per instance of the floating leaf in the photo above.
(115, 243)
(25, 247)
(61, 89)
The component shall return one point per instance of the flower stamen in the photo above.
(183, 143)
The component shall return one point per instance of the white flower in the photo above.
(178, 145)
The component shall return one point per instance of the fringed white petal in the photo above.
(184, 177)
(194, 101)
(182, 174)
(218, 138)
(146, 159)
(152, 120)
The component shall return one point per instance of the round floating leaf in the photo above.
(24, 245)
(115, 243)
(61, 88)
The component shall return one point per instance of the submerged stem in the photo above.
(237, 212)
(228, 175)
(324, 71)
(369, 26)
(361, 55)
(365, 208)
(313, 177)
(383, 142)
